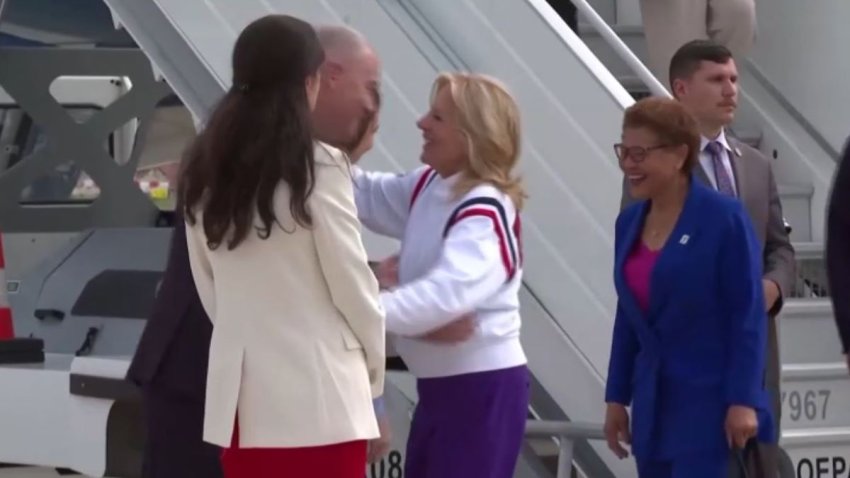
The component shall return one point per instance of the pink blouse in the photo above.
(638, 272)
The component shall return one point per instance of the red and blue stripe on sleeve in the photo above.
(509, 235)
(424, 180)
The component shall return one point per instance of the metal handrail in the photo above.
(622, 50)
(566, 433)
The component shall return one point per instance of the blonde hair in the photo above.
(489, 119)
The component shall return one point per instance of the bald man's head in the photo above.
(350, 92)
(342, 43)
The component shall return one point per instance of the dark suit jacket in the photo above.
(701, 346)
(838, 248)
(758, 192)
(173, 351)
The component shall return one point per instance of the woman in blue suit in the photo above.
(690, 330)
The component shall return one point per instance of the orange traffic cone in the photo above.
(6, 330)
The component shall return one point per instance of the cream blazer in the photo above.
(297, 347)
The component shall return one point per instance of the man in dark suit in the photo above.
(703, 76)
(838, 249)
(170, 366)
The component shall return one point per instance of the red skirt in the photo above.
(341, 460)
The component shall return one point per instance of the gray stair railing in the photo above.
(566, 433)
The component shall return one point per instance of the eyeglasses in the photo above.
(637, 153)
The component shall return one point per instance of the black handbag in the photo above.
(749, 459)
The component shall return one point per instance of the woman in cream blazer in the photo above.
(297, 350)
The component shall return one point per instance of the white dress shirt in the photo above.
(707, 164)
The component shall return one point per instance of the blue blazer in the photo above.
(701, 346)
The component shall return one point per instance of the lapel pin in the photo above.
(684, 240)
(738, 151)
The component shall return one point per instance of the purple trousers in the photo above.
(468, 425)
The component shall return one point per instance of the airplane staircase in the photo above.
(572, 96)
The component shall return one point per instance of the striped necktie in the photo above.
(721, 175)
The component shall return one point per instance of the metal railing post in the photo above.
(565, 457)
(566, 433)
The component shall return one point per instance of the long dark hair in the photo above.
(259, 134)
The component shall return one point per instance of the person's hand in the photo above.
(617, 429)
(387, 272)
(379, 447)
(458, 331)
(771, 294)
(741, 425)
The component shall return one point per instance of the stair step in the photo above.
(635, 86)
(809, 250)
(551, 464)
(797, 208)
(586, 29)
(807, 333)
(546, 449)
(632, 36)
(815, 396)
(818, 452)
(543, 446)
(811, 271)
(815, 436)
(796, 189)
